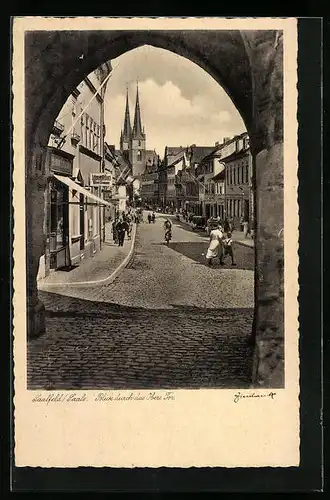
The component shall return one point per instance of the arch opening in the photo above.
(221, 54)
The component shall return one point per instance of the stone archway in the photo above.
(249, 66)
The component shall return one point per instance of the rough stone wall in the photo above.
(35, 238)
(266, 53)
(249, 67)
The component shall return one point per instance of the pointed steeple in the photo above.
(127, 130)
(137, 127)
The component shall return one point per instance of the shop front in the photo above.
(56, 219)
(64, 199)
(84, 199)
(58, 228)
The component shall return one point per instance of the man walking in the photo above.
(120, 232)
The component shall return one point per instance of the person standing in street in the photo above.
(125, 228)
(228, 247)
(121, 233)
(215, 247)
(168, 230)
(246, 228)
(231, 224)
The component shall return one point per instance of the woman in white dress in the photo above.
(216, 247)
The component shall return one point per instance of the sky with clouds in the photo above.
(180, 103)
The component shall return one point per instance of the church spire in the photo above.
(137, 127)
(127, 130)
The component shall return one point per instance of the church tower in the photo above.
(138, 141)
(126, 133)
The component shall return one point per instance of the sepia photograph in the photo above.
(147, 195)
(156, 223)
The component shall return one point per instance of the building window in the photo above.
(246, 174)
(139, 155)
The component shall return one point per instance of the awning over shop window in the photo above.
(76, 187)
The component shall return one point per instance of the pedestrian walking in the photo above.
(149, 218)
(226, 226)
(228, 248)
(215, 249)
(231, 225)
(129, 226)
(246, 229)
(120, 232)
(125, 227)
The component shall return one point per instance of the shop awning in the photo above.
(76, 187)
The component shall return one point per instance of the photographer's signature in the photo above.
(239, 395)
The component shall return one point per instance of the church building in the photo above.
(133, 141)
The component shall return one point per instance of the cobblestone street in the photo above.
(167, 321)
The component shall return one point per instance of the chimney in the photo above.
(216, 143)
(226, 139)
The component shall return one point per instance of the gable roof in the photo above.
(173, 150)
(199, 153)
(151, 155)
(236, 155)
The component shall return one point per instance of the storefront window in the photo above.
(58, 216)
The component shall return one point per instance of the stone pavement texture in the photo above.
(98, 267)
(168, 321)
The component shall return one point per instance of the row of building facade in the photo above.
(89, 181)
(211, 181)
(86, 178)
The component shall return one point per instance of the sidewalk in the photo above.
(237, 236)
(104, 266)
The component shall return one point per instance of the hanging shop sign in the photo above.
(100, 180)
(60, 164)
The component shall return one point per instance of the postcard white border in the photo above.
(201, 427)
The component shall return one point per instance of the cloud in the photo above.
(173, 111)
